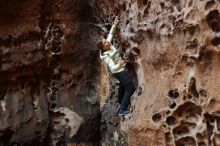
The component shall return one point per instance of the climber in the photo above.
(110, 55)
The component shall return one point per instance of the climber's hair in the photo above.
(100, 45)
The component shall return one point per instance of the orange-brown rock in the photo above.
(48, 73)
(53, 86)
(174, 50)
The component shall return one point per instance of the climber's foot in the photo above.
(123, 112)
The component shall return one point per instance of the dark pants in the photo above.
(126, 89)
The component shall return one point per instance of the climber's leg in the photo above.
(127, 82)
(129, 90)
(121, 92)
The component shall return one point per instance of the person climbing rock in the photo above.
(111, 56)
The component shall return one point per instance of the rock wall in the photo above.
(49, 73)
(172, 47)
(53, 86)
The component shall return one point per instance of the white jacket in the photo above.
(112, 56)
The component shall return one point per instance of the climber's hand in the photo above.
(121, 62)
(116, 21)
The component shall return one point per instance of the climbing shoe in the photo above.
(123, 112)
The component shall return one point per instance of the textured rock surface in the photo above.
(52, 85)
(173, 47)
(48, 76)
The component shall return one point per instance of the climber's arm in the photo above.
(111, 64)
(112, 31)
